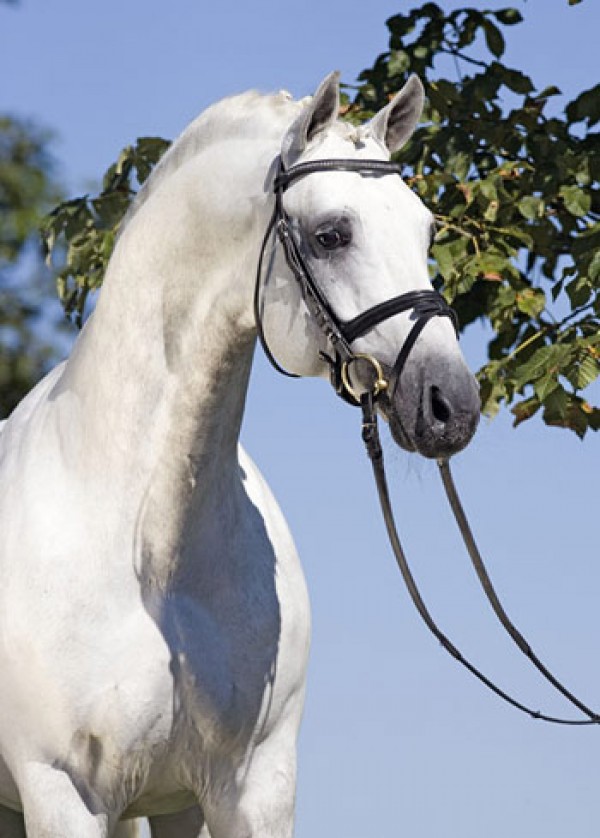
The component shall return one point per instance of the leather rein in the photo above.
(340, 334)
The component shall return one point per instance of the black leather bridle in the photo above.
(340, 334)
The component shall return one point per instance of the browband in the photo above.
(364, 167)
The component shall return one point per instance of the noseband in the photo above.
(340, 334)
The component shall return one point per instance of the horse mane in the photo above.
(250, 114)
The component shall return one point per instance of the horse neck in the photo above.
(162, 368)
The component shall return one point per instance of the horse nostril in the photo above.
(440, 407)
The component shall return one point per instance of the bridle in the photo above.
(341, 334)
(425, 304)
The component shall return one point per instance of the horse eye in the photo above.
(331, 239)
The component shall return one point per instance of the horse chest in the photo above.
(179, 703)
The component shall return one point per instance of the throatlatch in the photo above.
(340, 335)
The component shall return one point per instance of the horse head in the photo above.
(355, 238)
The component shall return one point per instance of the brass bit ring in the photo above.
(380, 384)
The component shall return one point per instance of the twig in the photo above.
(456, 54)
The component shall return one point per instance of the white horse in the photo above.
(154, 621)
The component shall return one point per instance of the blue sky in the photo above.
(397, 740)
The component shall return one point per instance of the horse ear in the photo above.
(395, 123)
(318, 115)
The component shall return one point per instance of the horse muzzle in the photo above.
(433, 413)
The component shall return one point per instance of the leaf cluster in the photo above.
(81, 233)
(514, 188)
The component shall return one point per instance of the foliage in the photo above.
(88, 226)
(514, 189)
(27, 190)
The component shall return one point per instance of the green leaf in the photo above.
(514, 79)
(594, 268)
(585, 368)
(488, 189)
(459, 164)
(579, 291)
(525, 410)
(449, 256)
(577, 415)
(585, 107)
(400, 25)
(547, 92)
(556, 405)
(491, 211)
(544, 360)
(531, 207)
(531, 301)
(587, 372)
(111, 208)
(493, 38)
(508, 16)
(492, 265)
(577, 201)
(545, 385)
(492, 389)
(398, 63)
(152, 148)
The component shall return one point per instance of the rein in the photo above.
(340, 334)
(370, 433)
